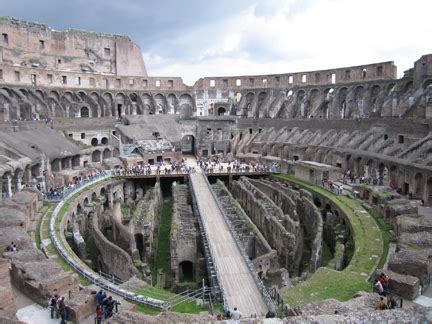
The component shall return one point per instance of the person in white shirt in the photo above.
(236, 315)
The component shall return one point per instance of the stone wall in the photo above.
(8, 307)
(30, 272)
(184, 234)
(270, 220)
(256, 246)
(115, 260)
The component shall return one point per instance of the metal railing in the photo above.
(106, 281)
(261, 287)
(81, 268)
(64, 194)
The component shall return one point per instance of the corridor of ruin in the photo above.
(239, 286)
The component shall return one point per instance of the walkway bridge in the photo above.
(236, 275)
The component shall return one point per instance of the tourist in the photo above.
(62, 310)
(381, 304)
(236, 315)
(379, 288)
(100, 296)
(10, 247)
(53, 305)
(391, 303)
(384, 280)
(99, 314)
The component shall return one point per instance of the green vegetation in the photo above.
(188, 306)
(387, 238)
(146, 309)
(163, 252)
(43, 229)
(368, 248)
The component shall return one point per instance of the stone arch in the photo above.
(250, 96)
(76, 161)
(56, 165)
(314, 94)
(116, 152)
(172, 103)
(393, 176)
(221, 111)
(264, 150)
(148, 104)
(109, 109)
(96, 156)
(120, 103)
(188, 144)
(342, 102)
(418, 185)
(84, 112)
(383, 174)
(104, 140)
(408, 86)
(54, 94)
(370, 171)
(186, 271)
(106, 153)
(94, 141)
(275, 150)
(137, 105)
(160, 103)
(286, 152)
(262, 96)
(427, 83)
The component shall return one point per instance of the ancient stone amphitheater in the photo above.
(284, 194)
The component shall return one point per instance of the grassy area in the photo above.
(189, 307)
(385, 229)
(146, 309)
(163, 252)
(47, 209)
(43, 228)
(342, 285)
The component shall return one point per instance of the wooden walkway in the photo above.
(239, 286)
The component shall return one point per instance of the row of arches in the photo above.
(344, 101)
(407, 180)
(28, 104)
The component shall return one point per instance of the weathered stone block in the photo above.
(411, 263)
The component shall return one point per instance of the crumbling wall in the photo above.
(144, 228)
(183, 231)
(256, 246)
(269, 219)
(114, 259)
(8, 307)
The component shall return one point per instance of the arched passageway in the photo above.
(186, 272)
(188, 144)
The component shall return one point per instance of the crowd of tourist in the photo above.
(161, 167)
(214, 166)
(57, 193)
(106, 306)
(58, 308)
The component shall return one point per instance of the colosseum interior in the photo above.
(284, 194)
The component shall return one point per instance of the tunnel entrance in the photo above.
(188, 144)
(186, 271)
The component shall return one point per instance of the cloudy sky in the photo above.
(196, 38)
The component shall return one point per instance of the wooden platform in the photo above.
(239, 286)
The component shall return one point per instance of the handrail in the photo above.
(261, 287)
(80, 268)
